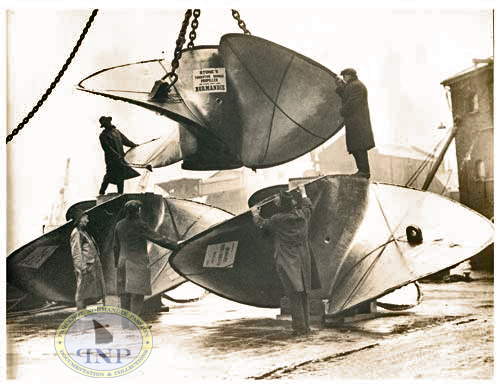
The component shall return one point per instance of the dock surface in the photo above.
(450, 335)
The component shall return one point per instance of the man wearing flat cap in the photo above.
(90, 285)
(356, 114)
(295, 261)
(117, 169)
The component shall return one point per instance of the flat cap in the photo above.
(131, 204)
(348, 72)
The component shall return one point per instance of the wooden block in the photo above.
(112, 301)
(369, 307)
(153, 304)
(316, 306)
(359, 317)
(332, 322)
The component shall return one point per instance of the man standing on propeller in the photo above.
(117, 169)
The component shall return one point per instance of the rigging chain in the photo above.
(241, 23)
(56, 80)
(194, 26)
(178, 50)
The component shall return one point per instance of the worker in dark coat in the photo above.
(131, 253)
(356, 114)
(295, 262)
(117, 169)
(90, 285)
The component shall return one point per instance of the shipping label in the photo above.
(209, 80)
(221, 254)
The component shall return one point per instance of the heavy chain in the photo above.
(194, 26)
(56, 80)
(241, 23)
(178, 50)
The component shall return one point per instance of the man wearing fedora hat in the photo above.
(293, 256)
(117, 169)
(356, 114)
(90, 285)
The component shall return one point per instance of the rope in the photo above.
(48, 306)
(426, 161)
(184, 301)
(445, 186)
(56, 80)
(403, 307)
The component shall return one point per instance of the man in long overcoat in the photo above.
(356, 114)
(131, 252)
(90, 285)
(295, 263)
(117, 169)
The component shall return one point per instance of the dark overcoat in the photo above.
(131, 248)
(112, 141)
(295, 261)
(87, 265)
(356, 114)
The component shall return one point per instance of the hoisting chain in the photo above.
(194, 26)
(241, 23)
(178, 50)
(56, 80)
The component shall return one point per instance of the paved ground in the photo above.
(448, 336)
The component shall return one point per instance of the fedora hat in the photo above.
(77, 215)
(103, 120)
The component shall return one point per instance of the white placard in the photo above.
(221, 254)
(209, 80)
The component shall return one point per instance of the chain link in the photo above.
(178, 49)
(56, 80)
(241, 23)
(194, 26)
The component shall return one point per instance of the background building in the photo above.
(472, 105)
(406, 165)
(472, 102)
(231, 189)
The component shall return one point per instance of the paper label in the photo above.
(38, 256)
(209, 80)
(221, 254)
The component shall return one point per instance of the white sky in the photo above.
(401, 55)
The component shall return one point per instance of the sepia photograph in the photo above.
(248, 193)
